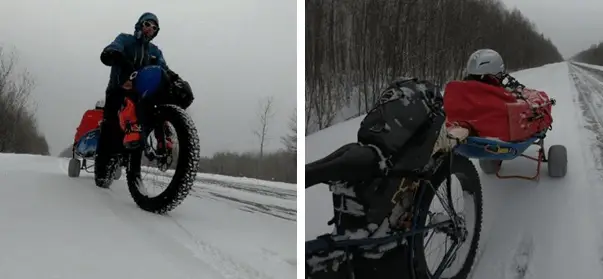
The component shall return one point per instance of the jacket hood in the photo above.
(141, 19)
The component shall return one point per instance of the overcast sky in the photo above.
(572, 25)
(233, 52)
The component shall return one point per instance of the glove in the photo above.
(183, 93)
(174, 77)
(116, 58)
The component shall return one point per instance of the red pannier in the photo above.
(493, 112)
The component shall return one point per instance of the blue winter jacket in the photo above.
(138, 50)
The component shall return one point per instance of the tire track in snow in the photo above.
(201, 192)
(523, 257)
(219, 260)
(185, 249)
(590, 92)
(586, 88)
(229, 267)
(589, 84)
(174, 253)
(179, 246)
(247, 205)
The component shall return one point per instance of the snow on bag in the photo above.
(402, 125)
(493, 112)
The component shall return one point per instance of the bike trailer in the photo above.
(492, 152)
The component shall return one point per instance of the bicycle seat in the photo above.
(349, 162)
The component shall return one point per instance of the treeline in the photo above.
(353, 47)
(592, 55)
(19, 131)
(274, 166)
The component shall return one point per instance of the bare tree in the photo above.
(19, 132)
(290, 140)
(265, 113)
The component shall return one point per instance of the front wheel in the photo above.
(188, 156)
(465, 182)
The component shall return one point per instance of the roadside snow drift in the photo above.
(532, 229)
(53, 226)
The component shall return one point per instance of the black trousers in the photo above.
(111, 138)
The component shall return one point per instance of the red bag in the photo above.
(90, 121)
(493, 112)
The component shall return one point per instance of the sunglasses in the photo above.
(150, 24)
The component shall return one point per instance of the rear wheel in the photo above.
(187, 161)
(465, 180)
(557, 161)
(74, 168)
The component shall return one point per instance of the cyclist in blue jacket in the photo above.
(126, 54)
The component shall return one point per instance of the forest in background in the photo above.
(592, 55)
(354, 47)
(19, 132)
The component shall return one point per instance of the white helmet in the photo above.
(100, 104)
(485, 62)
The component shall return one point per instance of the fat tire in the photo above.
(74, 168)
(467, 174)
(186, 171)
(557, 161)
(103, 175)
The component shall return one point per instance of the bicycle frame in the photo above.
(321, 245)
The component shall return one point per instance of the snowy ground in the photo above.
(546, 229)
(53, 226)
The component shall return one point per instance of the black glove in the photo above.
(116, 58)
(107, 58)
(183, 93)
(173, 76)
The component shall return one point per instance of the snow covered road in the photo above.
(546, 229)
(550, 228)
(53, 226)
